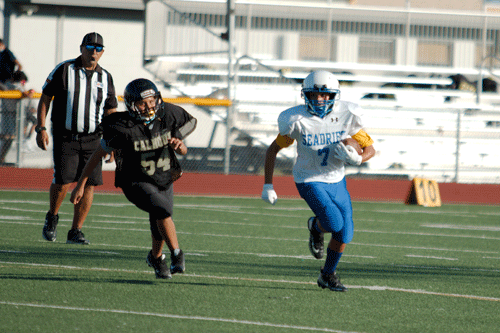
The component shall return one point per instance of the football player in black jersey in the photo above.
(145, 141)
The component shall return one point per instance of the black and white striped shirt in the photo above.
(80, 97)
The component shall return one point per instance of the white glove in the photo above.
(347, 154)
(268, 194)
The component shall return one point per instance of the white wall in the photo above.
(464, 54)
(33, 41)
(347, 48)
(406, 51)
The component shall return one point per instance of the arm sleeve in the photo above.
(111, 137)
(363, 139)
(288, 123)
(54, 81)
(185, 123)
(187, 128)
(284, 141)
(111, 101)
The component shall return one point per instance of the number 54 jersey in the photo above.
(142, 152)
(316, 138)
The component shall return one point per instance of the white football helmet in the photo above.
(325, 82)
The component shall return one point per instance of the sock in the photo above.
(332, 259)
(176, 252)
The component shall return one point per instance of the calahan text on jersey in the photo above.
(154, 143)
(321, 139)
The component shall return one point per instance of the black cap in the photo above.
(93, 38)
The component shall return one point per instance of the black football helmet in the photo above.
(138, 90)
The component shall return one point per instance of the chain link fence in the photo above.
(447, 145)
(17, 133)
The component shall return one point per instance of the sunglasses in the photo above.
(92, 47)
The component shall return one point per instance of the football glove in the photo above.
(347, 154)
(268, 194)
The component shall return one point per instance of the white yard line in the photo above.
(461, 227)
(427, 234)
(429, 257)
(373, 288)
(18, 219)
(145, 229)
(173, 316)
(423, 248)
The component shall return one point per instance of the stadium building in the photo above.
(413, 65)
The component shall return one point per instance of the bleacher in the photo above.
(412, 113)
(412, 69)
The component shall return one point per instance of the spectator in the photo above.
(489, 85)
(29, 121)
(9, 110)
(29, 108)
(8, 63)
(82, 93)
(460, 82)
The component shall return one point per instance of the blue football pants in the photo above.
(331, 203)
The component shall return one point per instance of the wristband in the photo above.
(39, 129)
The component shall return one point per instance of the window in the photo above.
(490, 62)
(434, 53)
(315, 48)
(376, 52)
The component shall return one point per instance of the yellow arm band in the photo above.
(284, 141)
(363, 139)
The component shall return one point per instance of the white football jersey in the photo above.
(316, 138)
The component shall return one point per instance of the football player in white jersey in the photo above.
(319, 127)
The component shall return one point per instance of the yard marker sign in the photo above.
(424, 192)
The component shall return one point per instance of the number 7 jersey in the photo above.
(142, 152)
(316, 138)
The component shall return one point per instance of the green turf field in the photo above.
(248, 269)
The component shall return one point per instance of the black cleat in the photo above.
(330, 281)
(316, 239)
(177, 265)
(76, 236)
(49, 231)
(159, 265)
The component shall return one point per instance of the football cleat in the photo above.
(159, 265)
(330, 281)
(178, 264)
(49, 231)
(76, 236)
(316, 239)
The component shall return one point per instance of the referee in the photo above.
(82, 93)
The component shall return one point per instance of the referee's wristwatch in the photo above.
(39, 129)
